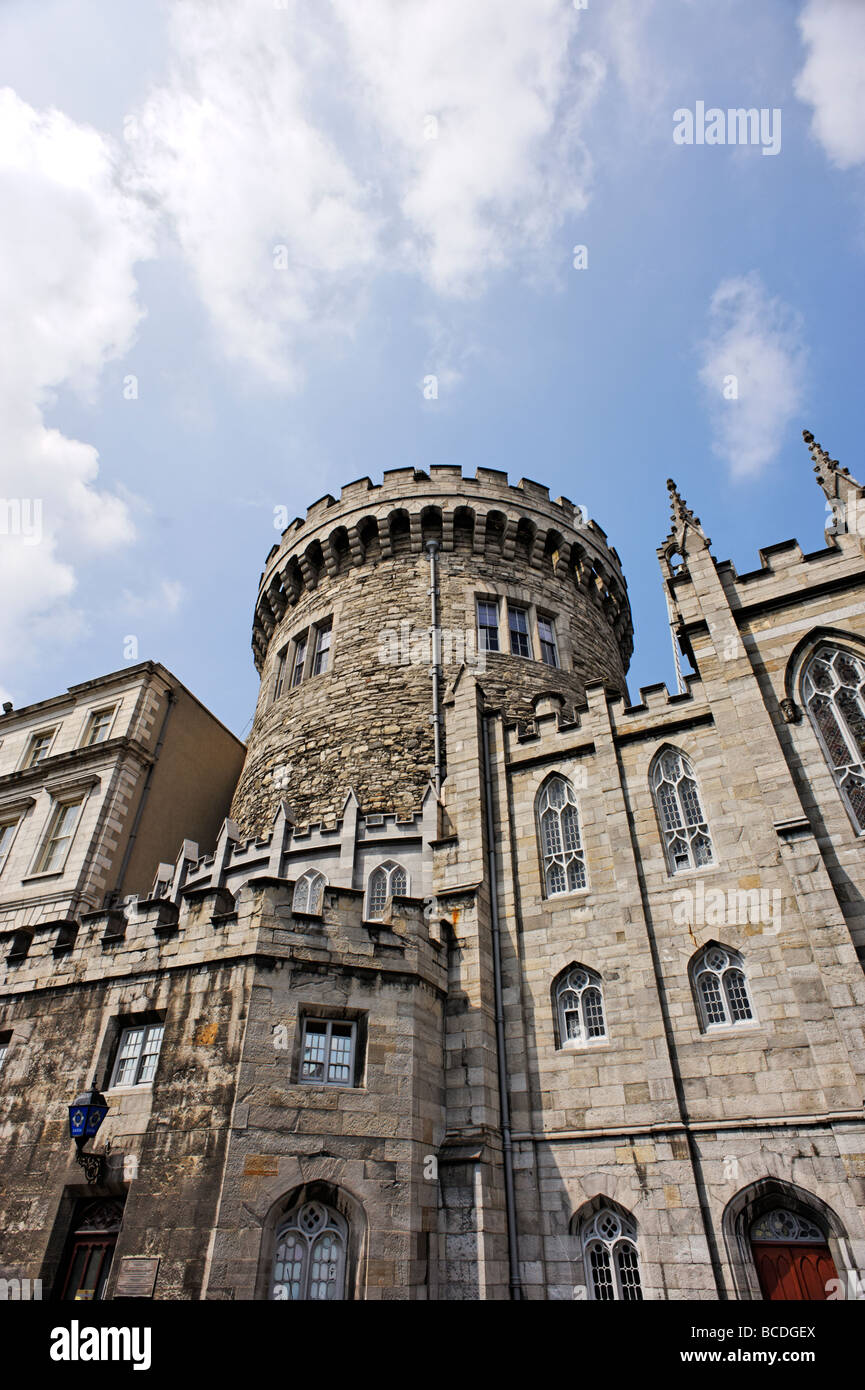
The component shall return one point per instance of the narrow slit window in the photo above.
(321, 654)
(299, 660)
(279, 675)
(547, 637)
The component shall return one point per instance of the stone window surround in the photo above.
(117, 1024)
(735, 961)
(284, 669)
(14, 813)
(313, 1011)
(508, 598)
(24, 761)
(557, 899)
(686, 869)
(60, 793)
(559, 987)
(90, 717)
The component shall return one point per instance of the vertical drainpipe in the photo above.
(501, 1057)
(436, 668)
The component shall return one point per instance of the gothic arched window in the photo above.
(559, 834)
(721, 987)
(309, 892)
(687, 842)
(579, 1006)
(833, 692)
(310, 1255)
(612, 1262)
(385, 882)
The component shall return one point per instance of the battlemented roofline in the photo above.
(411, 507)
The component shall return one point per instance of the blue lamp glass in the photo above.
(86, 1114)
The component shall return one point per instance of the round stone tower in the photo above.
(343, 621)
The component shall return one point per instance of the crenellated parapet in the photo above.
(483, 515)
(213, 926)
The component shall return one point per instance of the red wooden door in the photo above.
(797, 1272)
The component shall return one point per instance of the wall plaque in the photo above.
(137, 1277)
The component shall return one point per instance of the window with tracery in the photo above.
(787, 1227)
(580, 1007)
(687, 842)
(310, 1255)
(564, 861)
(721, 988)
(385, 882)
(309, 892)
(833, 693)
(611, 1257)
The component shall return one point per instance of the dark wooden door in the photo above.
(797, 1272)
(88, 1267)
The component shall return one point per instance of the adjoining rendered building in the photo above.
(489, 982)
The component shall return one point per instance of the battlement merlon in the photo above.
(692, 575)
(154, 938)
(408, 509)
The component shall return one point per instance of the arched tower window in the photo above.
(385, 882)
(309, 892)
(833, 692)
(721, 987)
(310, 1255)
(612, 1261)
(579, 1007)
(561, 847)
(687, 842)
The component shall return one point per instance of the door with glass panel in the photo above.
(310, 1255)
(87, 1262)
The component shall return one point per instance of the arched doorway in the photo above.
(791, 1256)
(90, 1249)
(784, 1243)
(310, 1258)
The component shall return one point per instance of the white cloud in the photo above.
(306, 128)
(507, 95)
(69, 238)
(165, 599)
(833, 78)
(753, 366)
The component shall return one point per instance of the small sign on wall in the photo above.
(137, 1277)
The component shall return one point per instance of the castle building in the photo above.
(488, 983)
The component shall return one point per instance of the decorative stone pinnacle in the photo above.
(682, 516)
(822, 461)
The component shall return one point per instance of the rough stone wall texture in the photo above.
(366, 722)
(684, 1128)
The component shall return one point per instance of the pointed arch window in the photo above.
(833, 692)
(309, 892)
(580, 1007)
(309, 1263)
(564, 861)
(386, 881)
(721, 987)
(611, 1257)
(687, 842)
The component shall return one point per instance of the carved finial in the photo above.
(682, 516)
(843, 494)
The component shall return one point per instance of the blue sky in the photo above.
(151, 159)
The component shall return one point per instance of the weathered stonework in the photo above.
(686, 1131)
(362, 563)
